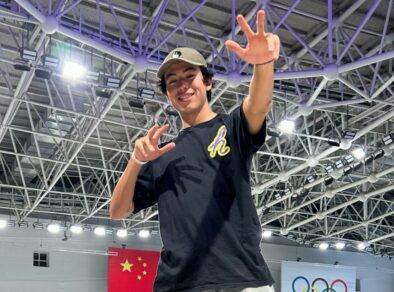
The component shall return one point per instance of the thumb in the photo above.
(234, 47)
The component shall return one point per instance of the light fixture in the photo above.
(103, 93)
(323, 245)
(273, 132)
(329, 168)
(388, 139)
(3, 223)
(361, 245)
(349, 159)
(92, 76)
(277, 196)
(287, 192)
(50, 61)
(348, 169)
(286, 126)
(328, 180)
(267, 233)
(357, 165)
(358, 153)
(146, 92)
(28, 54)
(144, 233)
(121, 233)
(340, 245)
(76, 229)
(73, 71)
(110, 81)
(38, 225)
(99, 231)
(311, 178)
(338, 164)
(348, 134)
(22, 65)
(53, 228)
(333, 142)
(136, 103)
(378, 154)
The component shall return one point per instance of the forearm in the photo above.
(122, 198)
(259, 99)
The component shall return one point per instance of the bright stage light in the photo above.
(99, 231)
(76, 229)
(73, 71)
(340, 245)
(267, 233)
(121, 233)
(286, 126)
(323, 245)
(144, 233)
(358, 153)
(53, 228)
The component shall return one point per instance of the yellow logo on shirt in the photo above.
(219, 143)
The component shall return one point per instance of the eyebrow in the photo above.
(184, 71)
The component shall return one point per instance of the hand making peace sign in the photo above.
(262, 47)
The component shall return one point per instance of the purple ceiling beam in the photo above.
(360, 27)
(177, 27)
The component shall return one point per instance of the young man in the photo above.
(208, 222)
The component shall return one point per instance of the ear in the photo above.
(208, 84)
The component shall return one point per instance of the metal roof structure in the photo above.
(64, 144)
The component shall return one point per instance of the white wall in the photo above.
(87, 272)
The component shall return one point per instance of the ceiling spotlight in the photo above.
(349, 158)
(3, 223)
(73, 71)
(348, 135)
(378, 154)
(76, 229)
(110, 81)
(53, 228)
(28, 54)
(146, 92)
(273, 132)
(286, 126)
(358, 153)
(267, 233)
(121, 233)
(329, 168)
(136, 103)
(323, 245)
(50, 61)
(144, 233)
(338, 164)
(333, 142)
(340, 245)
(361, 245)
(388, 139)
(99, 230)
(311, 178)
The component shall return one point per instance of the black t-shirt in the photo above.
(208, 222)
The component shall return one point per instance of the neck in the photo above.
(195, 119)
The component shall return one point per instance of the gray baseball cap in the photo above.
(187, 55)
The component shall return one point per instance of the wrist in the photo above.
(137, 160)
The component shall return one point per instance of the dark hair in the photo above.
(206, 74)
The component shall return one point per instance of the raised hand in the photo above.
(147, 148)
(262, 47)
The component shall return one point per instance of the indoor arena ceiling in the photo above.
(64, 144)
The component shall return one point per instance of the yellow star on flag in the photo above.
(144, 273)
(126, 266)
(144, 265)
(139, 259)
(139, 277)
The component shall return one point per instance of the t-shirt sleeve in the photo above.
(144, 191)
(248, 143)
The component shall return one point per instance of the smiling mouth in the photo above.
(185, 97)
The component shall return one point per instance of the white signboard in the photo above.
(309, 277)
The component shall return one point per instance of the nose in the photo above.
(183, 85)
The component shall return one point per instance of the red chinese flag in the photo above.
(131, 270)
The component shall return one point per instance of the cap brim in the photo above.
(163, 68)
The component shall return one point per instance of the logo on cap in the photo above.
(176, 54)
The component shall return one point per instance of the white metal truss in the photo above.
(63, 145)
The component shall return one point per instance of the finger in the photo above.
(260, 22)
(277, 47)
(271, 42)
(152, 131)
(235, 48)
(167, 148)
(160, 132)
(245, 26)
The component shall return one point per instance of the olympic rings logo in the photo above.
(328, 288)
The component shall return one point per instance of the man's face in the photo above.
(186, 89)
